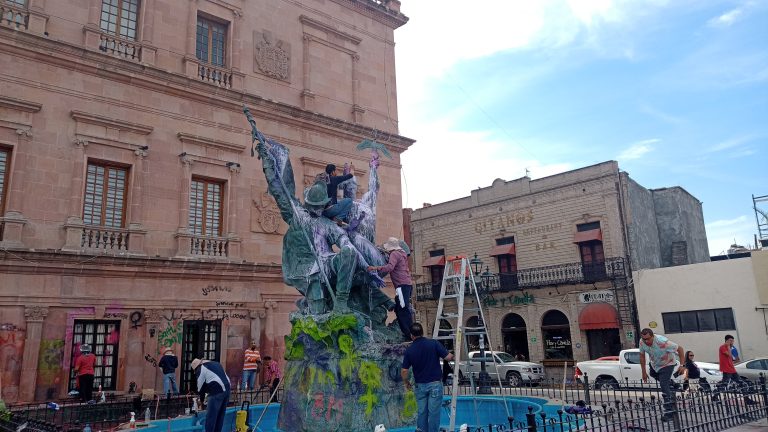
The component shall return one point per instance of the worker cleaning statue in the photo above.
(340, 351)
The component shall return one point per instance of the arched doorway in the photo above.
(514, 335)
(445, 330)
(556, 332)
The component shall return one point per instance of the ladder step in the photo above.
(446, 337)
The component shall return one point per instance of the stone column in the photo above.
(357, 110)
(190, 60)
(238, 78)
(148, 50)
(38, 20)
(183, 235)
(269, 328)
(307, 97)
(14, 213)
(74, 224)
(152, 329)
(92, 30)
(35, 315)
(138, 204)
(256, 317)
(233, 248)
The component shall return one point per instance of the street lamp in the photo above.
(484, 380)
(477, 264)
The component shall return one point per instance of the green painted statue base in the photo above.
(343, 375)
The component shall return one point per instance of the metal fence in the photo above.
(71, 416)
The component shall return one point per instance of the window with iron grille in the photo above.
(202, 339)
(211, 41)
(105, 191)
(104, 338)
(120, 17)
(5, 156)
(205, 207)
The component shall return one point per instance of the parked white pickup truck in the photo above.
(614, 373)
(513, 372)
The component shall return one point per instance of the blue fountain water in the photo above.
(479, 411)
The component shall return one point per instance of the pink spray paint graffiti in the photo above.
(11, 355)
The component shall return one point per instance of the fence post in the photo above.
(586, 390)
(764, 392)
(530, 417)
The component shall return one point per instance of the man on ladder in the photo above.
(423, 356)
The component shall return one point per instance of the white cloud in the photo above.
(661, 115)
(638, 149)
(731, 143)
(726, 19)
(721, 234)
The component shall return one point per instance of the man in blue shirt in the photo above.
(424, 356)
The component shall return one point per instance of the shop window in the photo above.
(120, 17)
(556, 332)
(205, 215)
(699, 321)
(211, 41)
(473, 340)
(104, 338)
(202, 339)
(105, 192)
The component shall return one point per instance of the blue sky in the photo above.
(676, 91)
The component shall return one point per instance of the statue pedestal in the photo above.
(341, 375)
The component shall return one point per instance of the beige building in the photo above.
(133, 215)
(558, 252)
(697, 305)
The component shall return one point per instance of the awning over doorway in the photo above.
(434, 261)
(585, 236)
(598, 316)
(507, 249)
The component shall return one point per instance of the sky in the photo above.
(675, 90)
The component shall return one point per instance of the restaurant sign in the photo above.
(524, 299)
(596, 297)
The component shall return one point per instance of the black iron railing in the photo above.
(571, 273)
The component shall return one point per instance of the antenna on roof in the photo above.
(527, 172)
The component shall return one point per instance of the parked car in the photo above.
(514, 372)
(751, 369)
(615, 373)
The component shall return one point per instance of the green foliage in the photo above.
(410, 407)
(370, 376)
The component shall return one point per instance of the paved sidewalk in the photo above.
(760, 425)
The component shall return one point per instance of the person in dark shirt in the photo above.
(337, 210)
(423, 356)
(168, 363)
(213, 381)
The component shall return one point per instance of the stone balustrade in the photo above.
(214, 75)
(119, 47)
(14, 16)
(109, 239)
(209, 246)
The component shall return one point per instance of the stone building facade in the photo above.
(133, 215)
(557, 256)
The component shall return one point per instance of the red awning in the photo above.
(507, 249)
(598, 316)
(434, 261)
(585, 236)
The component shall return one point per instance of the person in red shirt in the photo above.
(730, 377)
(85, 372)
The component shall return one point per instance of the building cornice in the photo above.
(73, 57)
(211, 142)
(328, 29)
(19, 104)
(377, 10)
(111, 123)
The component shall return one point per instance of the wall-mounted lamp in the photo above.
(233, 164)
(151, 332)
(183, 154)
(145, 148)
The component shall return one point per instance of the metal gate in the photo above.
(202, 339)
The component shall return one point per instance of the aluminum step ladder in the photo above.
(457, 287)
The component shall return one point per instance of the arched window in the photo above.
(474, 340)
(556, 332)
(514, 336)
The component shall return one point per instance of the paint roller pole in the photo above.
(269, 402)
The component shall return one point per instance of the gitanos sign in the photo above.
(596, 297)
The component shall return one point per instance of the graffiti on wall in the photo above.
(51, 361)
(170, 335)
(11, 355)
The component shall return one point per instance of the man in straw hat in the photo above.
(397, 267)
(168, 363)
(213, 381)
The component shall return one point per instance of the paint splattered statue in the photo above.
(328, 280)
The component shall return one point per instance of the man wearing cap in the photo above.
(85, 372)
(397, 267)
(168, 363)
(213, 381)
(251, 362)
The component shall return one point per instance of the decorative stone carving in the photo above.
(272, 57)
(35, 313)
(80, 143)
(266, 215)
(24, 132)
(152, 315)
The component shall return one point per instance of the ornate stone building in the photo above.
(557, 256)
(133, 215)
